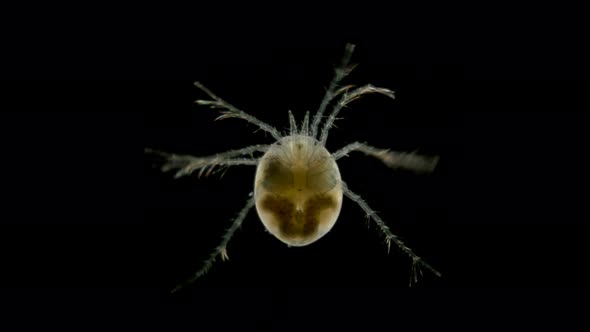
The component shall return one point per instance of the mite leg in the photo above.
(221, 249)
(186, 165)
(340, 73)
(406, 160)
(417, 261)
(345, 100)
(232, 112)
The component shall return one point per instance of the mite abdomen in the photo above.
(298, 190)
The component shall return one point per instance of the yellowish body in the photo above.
(298, 190)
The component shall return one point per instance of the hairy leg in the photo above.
(340, 73)
(221, 249)
(186, 164)
(345, 100)
(417, 261)
(406, 160)
(232, 112)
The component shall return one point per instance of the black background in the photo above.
(92, 226)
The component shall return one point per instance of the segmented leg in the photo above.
(340, 73)
(345, 100)
(221, 249)
(417, 261)
(233, 112)
(406, 160)
(186, 164)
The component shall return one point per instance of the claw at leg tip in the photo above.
(224, 255)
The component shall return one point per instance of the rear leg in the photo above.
(221, 249)
(417, 261)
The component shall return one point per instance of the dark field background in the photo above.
(92, 228)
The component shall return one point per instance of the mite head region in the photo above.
(298, 190)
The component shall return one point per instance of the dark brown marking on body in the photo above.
(293, 222)
(277, 176)
(283, 211)
(314, 206)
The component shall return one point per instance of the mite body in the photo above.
(298, 190)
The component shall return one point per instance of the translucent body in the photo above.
(298, 190)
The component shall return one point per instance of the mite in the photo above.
(298, 189)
